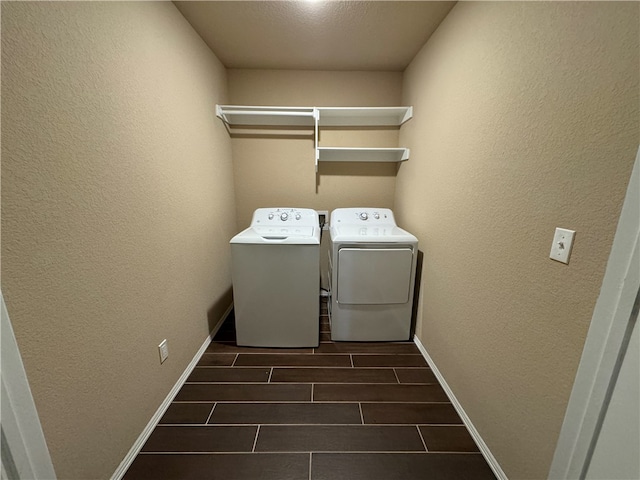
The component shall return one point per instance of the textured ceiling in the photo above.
(315, 35)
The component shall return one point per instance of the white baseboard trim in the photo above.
(139, 443)
(484, 449)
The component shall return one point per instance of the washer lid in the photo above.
(279, 235)
(371, 234)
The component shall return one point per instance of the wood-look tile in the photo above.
(187, 413)
(338, 438)
(378, 393)
(416, 375)
(324, 328)
(231, 374)
(228, 347)
(205, 438)
(448, 438)
(286, 413)
(230, 392)
(334, 375)
(263, 466)
(283, 360)
(399, 466)
(325, 336)
(409, 413)
(216, 360)
(389, 361)
(369, 348)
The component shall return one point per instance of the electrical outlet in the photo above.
(163, 348)
(324, 219)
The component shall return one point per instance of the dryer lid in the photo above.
(377, 234)
(278, 235)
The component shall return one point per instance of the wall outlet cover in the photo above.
(163, 348)
(562, 245)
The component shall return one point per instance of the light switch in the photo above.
(562, 243)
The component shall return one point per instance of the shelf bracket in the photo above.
(316, 116)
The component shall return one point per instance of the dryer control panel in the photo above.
(362, 216)
(298, 217)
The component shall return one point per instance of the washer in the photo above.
(372, 268)
(275, 266)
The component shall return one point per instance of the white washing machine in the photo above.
(276, 279)
(372, 268)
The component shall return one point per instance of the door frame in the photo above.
(24, 449)
(615, 312)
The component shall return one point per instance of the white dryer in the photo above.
(276, 279)
(372, 267)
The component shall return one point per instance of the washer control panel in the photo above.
(362, 216)
(285, 216)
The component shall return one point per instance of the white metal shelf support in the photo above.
(357, 154)
(316, 117)
(364, 116)
(276, 116)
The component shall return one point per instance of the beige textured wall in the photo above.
(526, 118)
(117, 209)
(280, 171)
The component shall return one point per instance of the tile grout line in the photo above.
(351, 358)
(396, 374)
(235, 360)
(361, 415)
(422, 438)
(210, 413)
(310, 459)
(312, 385)
(255, 440)
(270, 375)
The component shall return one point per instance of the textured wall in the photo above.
(526, 118)
(117, 209)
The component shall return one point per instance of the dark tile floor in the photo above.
(340, 411)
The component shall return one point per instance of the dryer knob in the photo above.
(271, 216)
(284, 217)
(298, 216)
(376, 215)
(364, 216)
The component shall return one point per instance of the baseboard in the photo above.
(484, 449)
(139, 443)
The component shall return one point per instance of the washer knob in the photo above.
(364, 216)
(376, 215)
(271, 216)
(297, 216)
(284, 216)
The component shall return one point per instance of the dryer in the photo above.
(275, 267)
(372, 268)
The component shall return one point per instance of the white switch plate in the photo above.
(562, 244)
(164, 350)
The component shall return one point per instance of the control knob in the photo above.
(284, 216)
(297, 216)
(271, 216)
(376, 215)
(364, 216)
